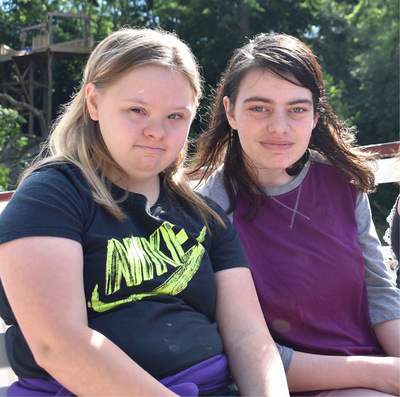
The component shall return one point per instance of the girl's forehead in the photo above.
(268, 82)
(268, 74)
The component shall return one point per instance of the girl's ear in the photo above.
(91, 101)
(229, 112)
(316, 117)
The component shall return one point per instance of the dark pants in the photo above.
(230, 390)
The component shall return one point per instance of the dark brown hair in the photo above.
(284, 56)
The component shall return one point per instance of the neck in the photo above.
(150, 188)
(273, 178)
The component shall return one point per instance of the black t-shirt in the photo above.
(149, 279)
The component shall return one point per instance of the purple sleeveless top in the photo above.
(308, 266)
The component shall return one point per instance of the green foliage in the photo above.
(10, 126)
(335, 94)
(375, 27)
(11, 142)
(358, 44)
(4, 178)
(214, 28)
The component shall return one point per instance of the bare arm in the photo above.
(43, 280)
(309, 372)
(388, 334)
(253, 357)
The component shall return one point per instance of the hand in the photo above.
(387, 375)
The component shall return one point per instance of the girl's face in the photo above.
(274, 120)
(144, 119)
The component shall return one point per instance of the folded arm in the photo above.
(309, 372)
(43, 281)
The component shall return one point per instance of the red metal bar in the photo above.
(5, 196)
(389, 149)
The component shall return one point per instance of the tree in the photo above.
(358, 44)
(375, 38)
(14, 147)
(214, 28)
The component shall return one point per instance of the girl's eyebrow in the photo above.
(267, 100)
(142, 102)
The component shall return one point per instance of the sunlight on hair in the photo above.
(177, 177)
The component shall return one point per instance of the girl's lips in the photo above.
(277, 146)
(150, 148)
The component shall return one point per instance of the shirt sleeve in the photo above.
(226, 249)
(286, 354)
(214, 188)
(383, 296)
(49, 202)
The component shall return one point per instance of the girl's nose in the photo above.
(155, 128)
(277, 122)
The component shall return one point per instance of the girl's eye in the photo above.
(175, 116)
(136, 110)
(298, 110)
(258, 108)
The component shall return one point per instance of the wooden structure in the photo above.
(27, 74)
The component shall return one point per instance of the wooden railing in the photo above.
(384, 150)
(388, 161)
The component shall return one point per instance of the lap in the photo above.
(358, 392)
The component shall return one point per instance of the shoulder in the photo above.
(59, 172)
(59, 178)
(214, 188)
(215, 180)
(321, 167)
(55, 185)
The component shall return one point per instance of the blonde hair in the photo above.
(76, 139)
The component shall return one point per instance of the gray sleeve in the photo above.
(383, 296)
(286, 355)
(214, 188)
